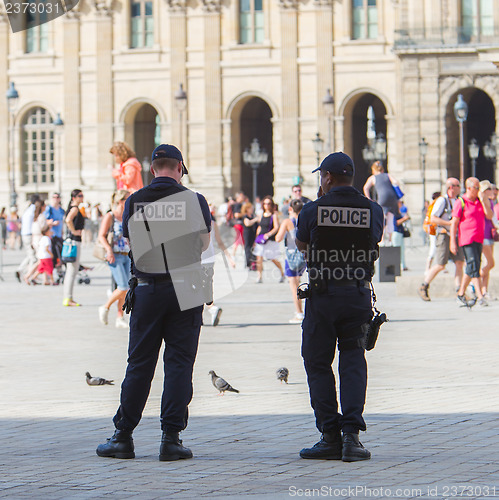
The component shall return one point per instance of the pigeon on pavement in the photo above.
(221, 384)
(97, 380)
(282, 374)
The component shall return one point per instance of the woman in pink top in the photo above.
(129, 174)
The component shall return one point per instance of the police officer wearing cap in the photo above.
(156, 317)
(339, 233)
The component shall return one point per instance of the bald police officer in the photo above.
(168, 227)
(340, 232)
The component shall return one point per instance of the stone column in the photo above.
(213, 99)
(324, 43)
(290, 94)
(68, 156)
(104, 88)
(178, 73)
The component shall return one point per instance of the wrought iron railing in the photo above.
(426, 38)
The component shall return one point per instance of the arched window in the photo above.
(36, 26)
(364, 19)
(142, 29)
(251, 22)
(38, 147)
(477, 18)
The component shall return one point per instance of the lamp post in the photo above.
(181, 103)
(12, 100)
(255, 158)
(461, 114)
(375, 149)
(59, 127)
(318, 143)
(328, 105)
(423, 150)
(474, 151)
(490, 151)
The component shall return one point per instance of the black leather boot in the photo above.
(328, 448)
(353, 451)
(120, 445)
(172, 449)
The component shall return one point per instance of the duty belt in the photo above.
(165, 278)
(359, 283)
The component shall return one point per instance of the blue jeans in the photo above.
(121, 270)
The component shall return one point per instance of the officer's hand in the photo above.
(110, 257)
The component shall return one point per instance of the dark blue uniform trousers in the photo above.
(336, 316)
(156, 317)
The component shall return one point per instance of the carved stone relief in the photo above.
(177, 5)
(212, 5)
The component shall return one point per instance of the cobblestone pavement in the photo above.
(431, 411)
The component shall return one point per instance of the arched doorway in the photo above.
(365, 118)
(251, 118)
(480, 125)
(142, 132)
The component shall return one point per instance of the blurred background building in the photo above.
(303, 77)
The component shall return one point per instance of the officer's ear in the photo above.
(152, 171)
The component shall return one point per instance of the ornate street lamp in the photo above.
(380, 147)
(255, 158)
(59, 128)
(423, 150)
(318, 143)
(181, 104)
(328, 105)
(375, 149)
(474, 151)
(461, 114)
(489, 148)
(12, 101)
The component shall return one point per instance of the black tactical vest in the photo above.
(342, 246)
(190, 243)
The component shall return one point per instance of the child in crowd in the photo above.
(44, 253)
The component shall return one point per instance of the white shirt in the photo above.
(27, 220)
(44, 246)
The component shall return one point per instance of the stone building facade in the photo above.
(250, 69)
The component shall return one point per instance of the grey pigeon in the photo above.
(221, 384)
(97, 380)
(282, 374)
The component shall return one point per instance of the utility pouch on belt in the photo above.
(130, 295)
(318, 284)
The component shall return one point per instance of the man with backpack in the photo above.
(441, 215)
(431, 230)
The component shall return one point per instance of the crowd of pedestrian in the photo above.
(465, 230)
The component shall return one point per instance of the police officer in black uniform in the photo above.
(157, 314)
(340, 232)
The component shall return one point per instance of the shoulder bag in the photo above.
(296, 260)
(99, 252)
(69, 251)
